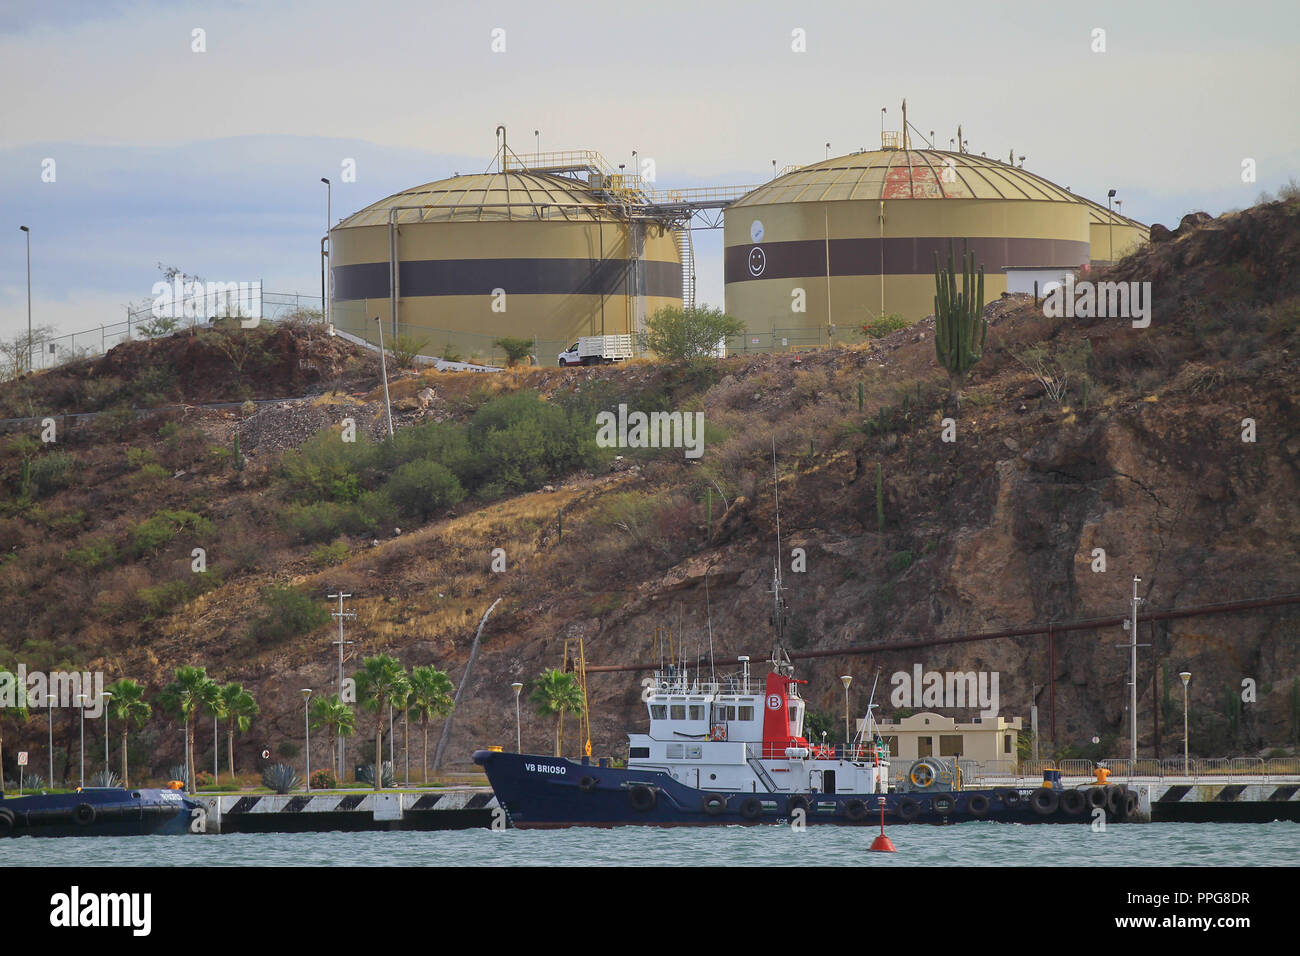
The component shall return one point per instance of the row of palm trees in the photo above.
(383, 683)
(193, 693)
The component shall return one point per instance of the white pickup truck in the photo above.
(597, 350)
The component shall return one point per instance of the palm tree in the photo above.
(183, 697)
(554, 693)
(241, 708)
(381, 682)
(128, 706)
(431, 691)
(214, 705)
(336, 717)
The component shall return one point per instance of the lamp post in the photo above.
(49, 699)
(519, 740)
(1110, 227)
(846, 680)
(28, 361)
(81, 704)
(306, 723)
(828, 150)
(1187, 677)
(538, 134)
(104, 697)
(325, 264)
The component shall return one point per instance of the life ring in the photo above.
(909, 808)
(977, 805)
(83, 815)
(1073, 803)
(1011, 799)
(797, 802)
(751, 808)
(1044, 801)
(718, 732)
(587, 784)
(642, 798)
(1097, 798)
(855, 809)
(714, 804)
(6, 821)
(942, 804)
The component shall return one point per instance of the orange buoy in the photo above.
(882, 843)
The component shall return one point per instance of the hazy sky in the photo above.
(211, 161)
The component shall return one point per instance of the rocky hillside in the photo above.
(1073, 435)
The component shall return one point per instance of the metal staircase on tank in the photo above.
(757, 766)
(686, 253)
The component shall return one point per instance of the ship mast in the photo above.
(780, 659)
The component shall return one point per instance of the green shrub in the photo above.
(95, 555)
(520, 441)
(158, 599)
(899, 561)
(289, 613)
(138, 457)
(405, 348)
(50, 473)
(673, 333)
(878, 328)
(324, 780)
(514, 348)
(326, 467)
(328, 555)
(420, 488)
(156, 532)
(444, 443)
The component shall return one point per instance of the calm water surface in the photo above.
(968, 844)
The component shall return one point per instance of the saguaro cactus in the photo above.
(959, 325)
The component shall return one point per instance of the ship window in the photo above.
(746, 712)
(674, 751)
(694, 752)
(638, 753)
(677, 712)
(697, 712)
(658, 711)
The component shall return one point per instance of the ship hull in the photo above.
(551, 792)
(97, 812)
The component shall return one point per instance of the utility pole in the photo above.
(340, 614)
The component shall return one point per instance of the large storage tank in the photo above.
(511, 253)
(852, 238)
(1112, 236)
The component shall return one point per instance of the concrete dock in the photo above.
(450, 809)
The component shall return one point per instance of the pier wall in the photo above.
(363, 810)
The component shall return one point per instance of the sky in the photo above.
(210, 159)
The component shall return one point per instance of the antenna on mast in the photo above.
(780, 659)
(708, 617)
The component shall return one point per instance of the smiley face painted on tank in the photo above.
(757, 261)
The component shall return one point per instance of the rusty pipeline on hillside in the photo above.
(1050, 630)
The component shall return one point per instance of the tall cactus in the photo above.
(959, 325)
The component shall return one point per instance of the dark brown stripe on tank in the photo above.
(806, 259)
(429, 277)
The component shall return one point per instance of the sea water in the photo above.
(966, 844)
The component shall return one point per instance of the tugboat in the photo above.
(719, 752)
(97, 811)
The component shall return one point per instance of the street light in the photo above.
(828, 150)
(846, 680)
(519, 745)
(104, 698)
(81, 703)
(538, 134)
(1110, 226)
(1187, 677)
(306, 723)
(325, 263)
(49, 699)
(28, 233)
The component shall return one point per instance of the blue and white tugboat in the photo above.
(97, 811)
